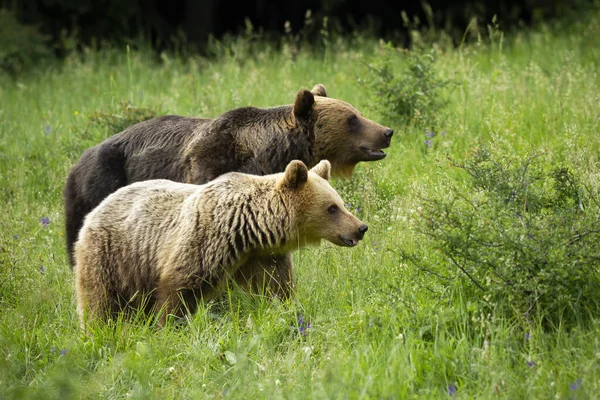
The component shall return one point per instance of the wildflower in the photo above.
(301, 327)
(429, 134)
(452, 390)
(63, 352)
(75, 112)
(429, 143)
(16, 236)
(42, 269)
(527, 336)
(443, 133)
(531, 364)
(358, 209)
(45, 221)
(48, 129)
(575, 385)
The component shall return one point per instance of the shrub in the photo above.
(103, 124)
(523, 232)
(21, 46)
(125, 116)
(411, 95)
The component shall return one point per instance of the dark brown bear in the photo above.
(251, 140)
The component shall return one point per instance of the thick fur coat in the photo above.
(173, 244)
(250, 140)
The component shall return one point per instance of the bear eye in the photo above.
(333, 209)
(353, 120)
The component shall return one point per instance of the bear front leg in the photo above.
(272, 275)
(176, 297)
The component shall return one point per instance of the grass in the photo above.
(377, 329)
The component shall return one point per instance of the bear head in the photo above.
(319, 210)
(342, 135)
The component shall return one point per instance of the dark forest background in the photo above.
(161, 21)
(33, 29)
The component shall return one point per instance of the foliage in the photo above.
(21, 46)
(524, 231)
(412, 95)
(125, 116)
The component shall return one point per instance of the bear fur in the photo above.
(250, 140)
(174, 244)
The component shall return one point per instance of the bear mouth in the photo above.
(349, 242)
(373, 155)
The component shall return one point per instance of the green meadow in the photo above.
(390, 318)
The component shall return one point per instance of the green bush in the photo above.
(103, 124)
(125, 116)
(523, 232)
(413, 94)
(21, 46)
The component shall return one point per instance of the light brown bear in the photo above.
(174, 244)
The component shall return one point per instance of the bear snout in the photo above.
(362, 230)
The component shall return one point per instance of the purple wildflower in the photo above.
(527, 336)
(48, 129)
(443, 133)
(358, 209)
(429, 134)
(16, 236)
(452, 390)
(531, 364)
(45, 221)
(302, 328)
(53, 349)
(348, 205)
(429, 143)
(63, 352)
(42, 269)
(575, 385)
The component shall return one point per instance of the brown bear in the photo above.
(174, 244)
(250, 140)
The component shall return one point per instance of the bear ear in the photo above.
(323, 169)
(303, 104)
(295, 175)
(319, 90)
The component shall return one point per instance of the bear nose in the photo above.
(362, 230)
(388, 134)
